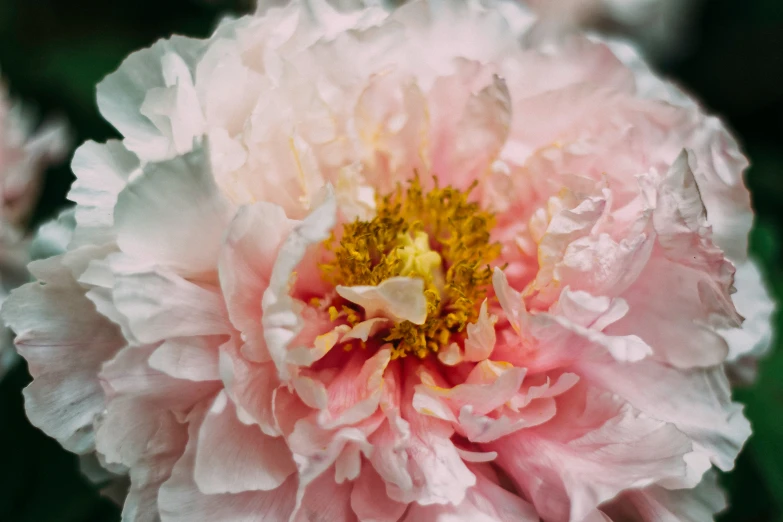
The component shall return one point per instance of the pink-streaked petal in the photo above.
(281, 320)
(435, 469)
(328, 501)
(245, 266)
(354, 396)
(484, 429)
(484, 397)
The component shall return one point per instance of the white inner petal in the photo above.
(398, 298)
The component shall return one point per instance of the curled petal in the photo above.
(398, 298)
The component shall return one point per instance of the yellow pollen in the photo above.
(438, 236)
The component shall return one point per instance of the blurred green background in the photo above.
(53, 52)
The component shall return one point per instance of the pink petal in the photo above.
(281, 320)
(232, 457)
(485, 502)
(701, 408)
(369, 500)
(246, 259)
(481, 336)
(590, 453)
(143, 405)
(324, 500)
(180, 499)
(251, 386)
(433, 471)
(355, 395)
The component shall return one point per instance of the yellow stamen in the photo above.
(333, 313)
(439, 237)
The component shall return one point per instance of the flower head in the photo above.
(368, 265)
(23, 156)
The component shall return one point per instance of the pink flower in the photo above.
(393, 266)
(24, 153)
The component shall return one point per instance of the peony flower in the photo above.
(663, 28)
(369, 265)
(24, 153)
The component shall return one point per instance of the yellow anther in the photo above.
(333, 313)
(438, 236)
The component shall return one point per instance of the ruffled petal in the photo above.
(159, 304)
(232, 457)
(596, 448)
(65, 342)
(151, 101)
(246, 259)
(190, 358)
(174, 215)
(369, 499)
(180, 499)
(701, 408)
(485, 502)
(656, 504)
(102, 172)
(752, 341)
(397, 298)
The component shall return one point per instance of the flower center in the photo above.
(438, 236)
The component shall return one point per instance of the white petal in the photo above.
(160, 305)
(65, 342)
(122, 94)
(174, 215)
(192, 358)
(102, 171)
(753, 339)
(398, 298)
